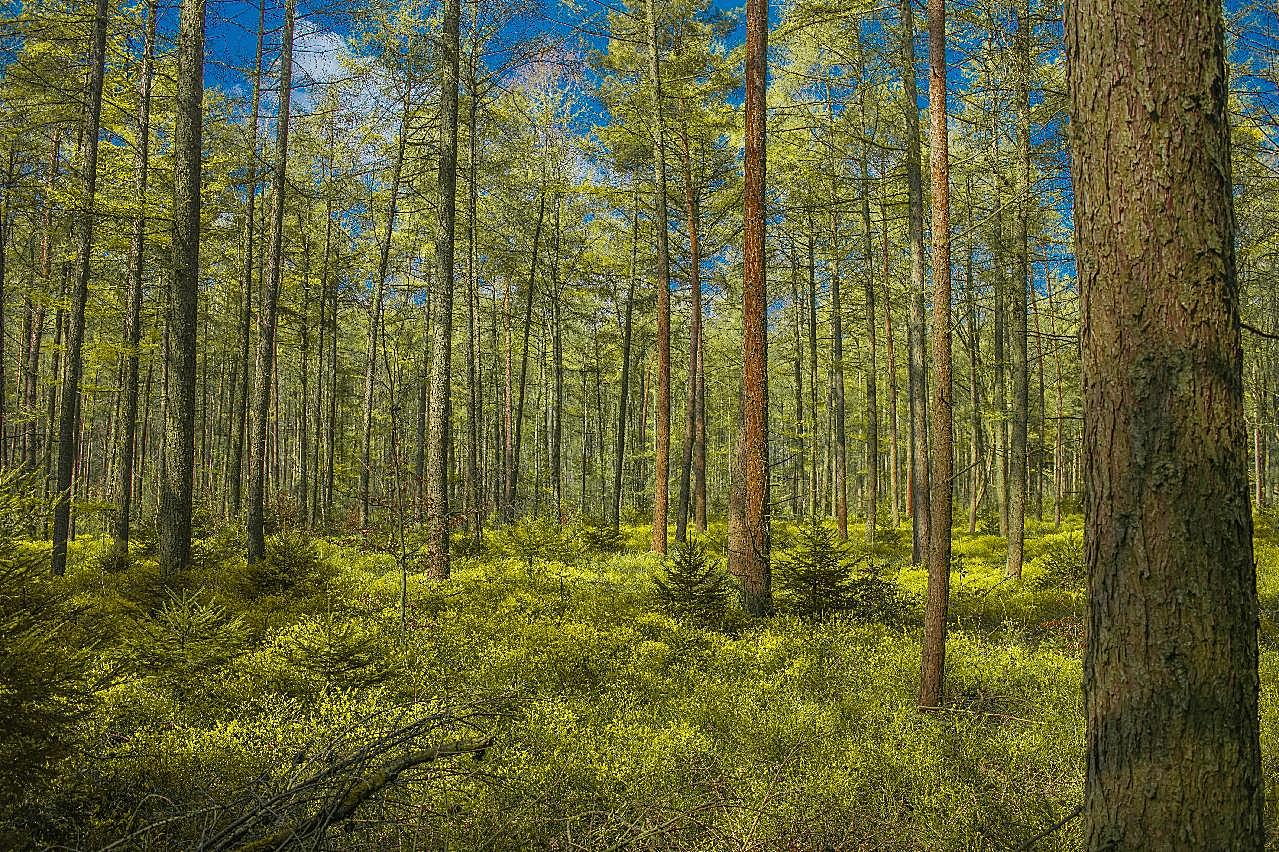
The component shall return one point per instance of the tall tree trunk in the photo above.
(1170, 672)
(814, 484)
(619, 456)
(513, 471)
(133, 294)
(872, 378)
(920, 484)
(693, 213)
(68, 443)
(749, 549)
(178, 457)
(934, 655)
(375, 310)
(662, 430)
(474, 366)
(894, 479)
(241, 419)
(437, 484)
(1017, 450)
(798, 483)
(265, 371)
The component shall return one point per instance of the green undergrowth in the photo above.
(620, 720)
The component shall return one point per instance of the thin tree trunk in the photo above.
(437, 485)
(894, 451)
(662, 430)
(619, 456)
(375, 311)
(265, 372)
(749, 549)
(513, 472)
(693, 213)
(938, 599)
(68, 445)
(1017, 450)
(872, 404)
(920, 484)
(133, 296)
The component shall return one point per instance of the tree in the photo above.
(1017, 466)
(750, 549)
(935, 607)
(661, 463)
(184, 288)
(133, 299)
(265, 371)
(1170, 672)
(69, 412)
(437, 484)
(920, 479)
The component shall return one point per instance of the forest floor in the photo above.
(232, 704)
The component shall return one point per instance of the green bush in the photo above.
(693, 587)
(1060, 560)
(534, 539)
(45, 665)
(184, 641)
(813, 577)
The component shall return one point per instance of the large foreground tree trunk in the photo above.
(1170, 674)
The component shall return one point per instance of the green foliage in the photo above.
(813, 577)
(184, 641)
(535, 539)
(602, 537)
(46, 659)
(1060, 560)
(332, 652)
(693, 587)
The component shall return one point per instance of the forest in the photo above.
(639, 424)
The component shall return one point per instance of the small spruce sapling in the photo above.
(694, 587)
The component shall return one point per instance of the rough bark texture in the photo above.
(1170, 673)
(133, 294)
(69, 411)
(437, 480)
(1017, 467)
(270, 302)
(662, 429)
(234, 484)
(919, 485)
(178, 462)
(943, 463)
(749, 549)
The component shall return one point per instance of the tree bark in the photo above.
(179, 438)
(917, 373)
(935, 607)
(69, 411)
(133, 293)
(265, 371)
(1170, 672)
(749, 549)
(1017, 466)
(662, 430)
(437, 483)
